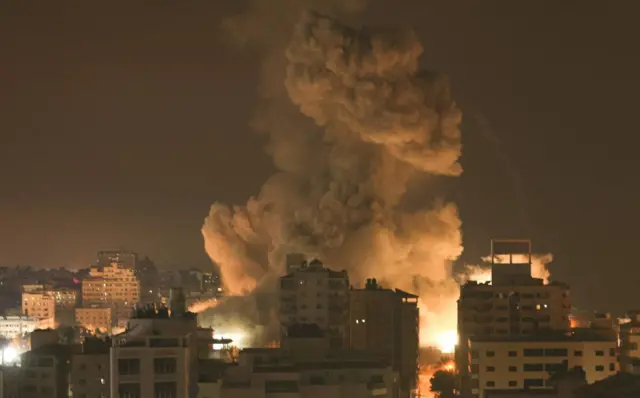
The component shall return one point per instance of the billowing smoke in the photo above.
(343, 187)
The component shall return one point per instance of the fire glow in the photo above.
(426, 372)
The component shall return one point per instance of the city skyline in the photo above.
(126, 139)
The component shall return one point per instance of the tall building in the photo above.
(528, 362)
(95, 319)
(147, 275)
(90, 370)
(316, 295)
(124, 258)
(10, 389)
(45, 371)
(64, 297)
(111, 286)
(386, 322)
(66, 301)
(629, 331)
(40, 304)
(513, 304)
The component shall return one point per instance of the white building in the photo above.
(157, 356)
(316, 295)
(306, 367)
(16, 326)
(512, 304)
(528, 361)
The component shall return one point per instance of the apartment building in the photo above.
(512, 304)
(45, 372)
(17, 326)
(64, 298)
(90, 376)
(157, 356)
(95, 319)
(39, 304)
(386, 322)
(629, 332)
(111, 286)
(307, 367)
(528, 362)
(315, 294)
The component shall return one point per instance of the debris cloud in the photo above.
(352, 125)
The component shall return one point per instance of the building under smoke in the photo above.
(385, 322)
(313, 294)
(350, 188)
(513, 304)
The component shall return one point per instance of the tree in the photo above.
(443, 384)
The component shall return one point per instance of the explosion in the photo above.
(482, 274)
(200, 306)
(351, 191)
(447, 341)
(426, 372)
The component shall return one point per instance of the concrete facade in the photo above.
(528, 363)
(315, 294)
(386, 322)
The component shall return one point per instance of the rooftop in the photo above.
(317, 266)
(577, 334)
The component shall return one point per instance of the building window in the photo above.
(599, 353)
(166, 390)
(164, 365)
(533, 352)
(599, 368)
(556, 352)
(491, 368)
(280, 386)
(612, 352)
(491, 354)
(555, 367)
(129, 366)
(474, 354)
(533, 383)
(612, 367)
(513, 383)
(316, 380)
(129, 390)
(513, 353)
(491, 384)
(577, 353)
(513, 368)
(533, 367)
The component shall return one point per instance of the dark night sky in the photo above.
(121, 124)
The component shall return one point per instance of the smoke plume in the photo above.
(340, 193)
